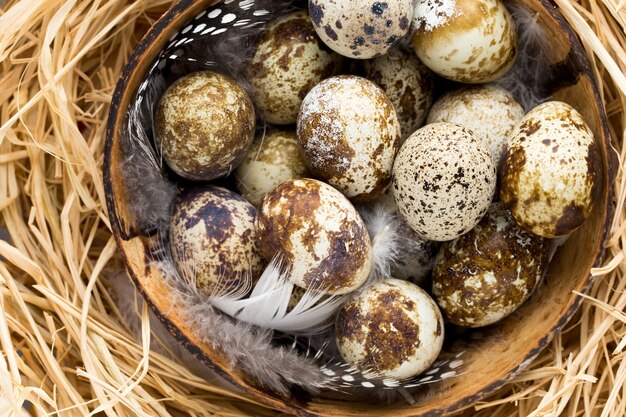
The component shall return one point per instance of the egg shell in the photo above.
(469, 41)
(486, 274)
(552, 172)
(318, 232)
(490, 112)
(392, 328)
(361, 29)
(204, 124)
(349, 132)
(212, 239)
(288, 61)
(407, 82)
(443, 181)
(274, 158)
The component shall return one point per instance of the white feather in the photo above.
(267, 305)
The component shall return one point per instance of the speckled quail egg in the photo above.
(490, 112)
(443, 181)
(361, 29)
(288, 61)
(392, 328)
(415, 257)
(318, 233)
(552, 171)
(274, 158)
(407, 82)
(204, 124)
(486, 274)
(469, 41)
(212, 239)
(350, 134)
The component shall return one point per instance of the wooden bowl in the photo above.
(496, 353)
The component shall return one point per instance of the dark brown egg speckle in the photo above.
(392, 328)
(318, 233)
(204, 124)
(486, 274)
(443, 181)
(361, 29)
(552, 171)
(212, 239)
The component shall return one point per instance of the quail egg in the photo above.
(469, 41)
(274, 158)
(408, 84)
(288, 61)
(392, 329)
(349, 132)
(361, 29)
(488, 111)
(443, 181)
(486, 274)
(212, 239)
(319, 235)
(552, 171)
(204, 124)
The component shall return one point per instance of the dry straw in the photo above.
(67, 348)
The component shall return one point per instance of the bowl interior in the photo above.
(492, 355)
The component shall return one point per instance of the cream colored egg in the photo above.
(392, 328)
(469, 41)
(552, 173)
(361, 29)
(407, 82)
(443, 181)
(274, 158)
(288, 61)
(212, 239)
(486, 274)
(204, 124)
(350, 134)
(488, 111)
(318, 233)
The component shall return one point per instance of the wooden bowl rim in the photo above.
(272, 400)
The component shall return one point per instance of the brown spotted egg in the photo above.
(288, 61)
(443, 181)
(552, 172)
(407, 82)
(349, 132)
(490, 112)
(361, 29)
(212, 239)
(469, 41)
(204, 124)
(274, 158)
(486, 274)
(392, 329)
(319, 234)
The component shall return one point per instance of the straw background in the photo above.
(66, 348)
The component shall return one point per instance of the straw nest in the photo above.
(71, 347)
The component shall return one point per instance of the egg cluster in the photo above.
(342, 102)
